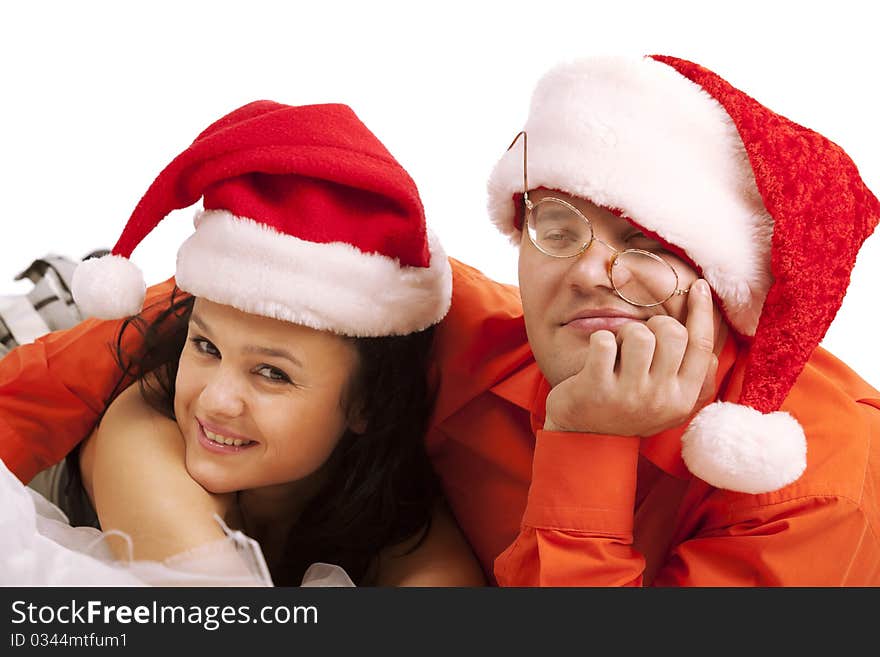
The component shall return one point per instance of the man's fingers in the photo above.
(701, 335)
(601, 355)
(637, 344)
(672, 340)
(566, 399)
(707, 393)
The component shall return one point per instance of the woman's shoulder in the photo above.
(132, 406)
(127, 417)
(121, 434)
(440, 557)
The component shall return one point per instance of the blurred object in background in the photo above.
(48, 307)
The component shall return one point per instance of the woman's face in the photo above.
(273, 389)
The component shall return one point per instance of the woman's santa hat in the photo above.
(307, 218)
(771, 213)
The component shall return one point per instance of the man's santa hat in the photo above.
(307, 218)
(772, 215)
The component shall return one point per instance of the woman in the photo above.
(284, 389)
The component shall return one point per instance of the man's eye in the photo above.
(642, 241)
(204, 347)
(273, 374)
(557, 236)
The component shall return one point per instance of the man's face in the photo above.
(565, 300)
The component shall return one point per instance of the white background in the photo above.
(97, 97)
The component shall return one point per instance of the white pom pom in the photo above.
(110, 287)
(738, 448)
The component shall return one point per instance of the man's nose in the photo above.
(590, 269)
(223, 395)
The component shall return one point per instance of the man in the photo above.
(588, 455)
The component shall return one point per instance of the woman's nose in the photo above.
(222, 395)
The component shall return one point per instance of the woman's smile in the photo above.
(219, 444)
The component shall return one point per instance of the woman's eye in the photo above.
(273, 374)
(204, 347)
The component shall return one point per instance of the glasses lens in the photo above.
(643, 278)
(558, 229)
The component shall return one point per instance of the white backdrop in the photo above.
(97, 97)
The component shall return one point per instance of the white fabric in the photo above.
(38, 547)
(109, 287)
(632, 134)
(336, 287)
(21, 319)
(737, 448)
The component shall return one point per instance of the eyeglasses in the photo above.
(559, 230)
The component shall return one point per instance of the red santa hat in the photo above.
(772, 214)
(307, 218)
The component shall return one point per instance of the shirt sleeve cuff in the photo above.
(583, 482)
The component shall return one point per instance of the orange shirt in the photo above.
(553, 508)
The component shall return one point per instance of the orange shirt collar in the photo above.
(528, 389)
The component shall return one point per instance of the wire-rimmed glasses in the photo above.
(559, 230)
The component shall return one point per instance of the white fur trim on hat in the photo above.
(241, 263)
(634, 135)
(109, 287)
(737, 448)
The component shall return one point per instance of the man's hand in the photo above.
(651, 378)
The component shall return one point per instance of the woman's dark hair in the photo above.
(380, 488)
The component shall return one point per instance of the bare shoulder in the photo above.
(134, 470)
(131, 406)
(129, 430)
(443, 558)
